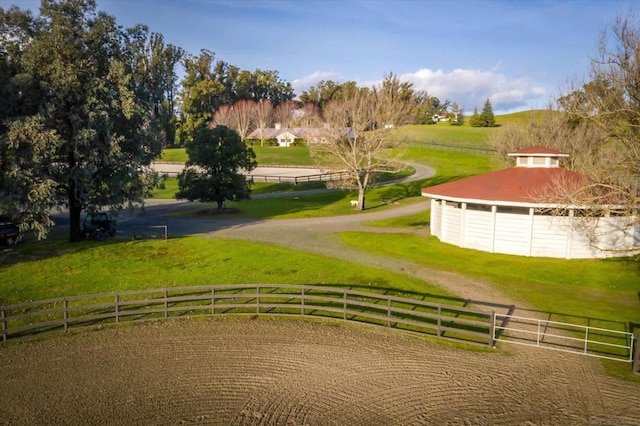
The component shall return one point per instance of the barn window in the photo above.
(589, 213)
(513, 210)
(538, 161)
(479, 207)
(453, 204)
(539, 211)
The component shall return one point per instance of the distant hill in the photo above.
(521, 117)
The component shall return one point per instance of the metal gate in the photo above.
(573, 338)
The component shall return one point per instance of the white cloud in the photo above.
(471, 88)
(303, 84)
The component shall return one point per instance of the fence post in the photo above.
(586, 340)
(635, 347)
(66, 313)
(3, 317)
(538, 333)
(344, 312)
(439, 320)
(492, 328)
(166, 304)
(117, 304)
(257, 300)
(213, 301)
(302, 303)
(389, 312)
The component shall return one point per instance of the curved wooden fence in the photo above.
(437, 320)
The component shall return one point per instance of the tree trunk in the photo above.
(220, 205)
(75, 210)
(361, 199)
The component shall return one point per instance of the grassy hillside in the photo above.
(442, 133)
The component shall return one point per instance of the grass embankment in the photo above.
(597, 289)
(55, 268)
(265, 155)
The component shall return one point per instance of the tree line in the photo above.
(86, 106)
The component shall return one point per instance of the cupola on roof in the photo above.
(536, 173)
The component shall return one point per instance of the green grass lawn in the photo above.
(597, 289)
(446, 134)
(265, 155)
(174, 155)
(53, 269)
(448, 165)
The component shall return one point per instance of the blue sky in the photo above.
(518, 53)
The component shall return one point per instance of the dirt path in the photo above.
(268, 372)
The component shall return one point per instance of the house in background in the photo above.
(504, 212)
(287, 136)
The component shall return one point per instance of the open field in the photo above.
(268, 372)
(56, 269)
(265, 155)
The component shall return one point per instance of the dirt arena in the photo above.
(290, 372)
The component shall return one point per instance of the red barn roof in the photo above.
(516, 184)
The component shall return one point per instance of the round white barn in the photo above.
(502, 212)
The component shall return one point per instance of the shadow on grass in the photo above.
(181, 220)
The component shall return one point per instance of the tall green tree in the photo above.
(156, 64)
(487, 118)
(474, 120)
(202, 93)
(326, 91)
(210, 84)
(213, 173)
(77, 132)
(456, 115)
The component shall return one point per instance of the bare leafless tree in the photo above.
(263, 116)
(283, 113)
(243, 117)
(357, 133)
(597, 123)
(222, 117)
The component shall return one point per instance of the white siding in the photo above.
(549, 236)
(451, 225)
(435, 223)
(478, 230)
(512, 233)
(532, 235)
(604, 237)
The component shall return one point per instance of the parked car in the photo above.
(9, 233)
(98, 225)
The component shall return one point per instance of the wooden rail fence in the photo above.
(454, 148)
(437, 320)
(321, 177)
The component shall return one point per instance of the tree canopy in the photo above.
(209, 84)
(78, 131)
(217, 158)
(357, 131)
(486, 118)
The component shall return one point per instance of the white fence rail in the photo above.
(585, 340)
